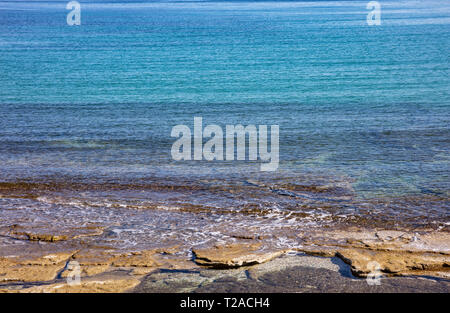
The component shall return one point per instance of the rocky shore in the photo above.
(47, 263)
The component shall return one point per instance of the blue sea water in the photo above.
(363, 111)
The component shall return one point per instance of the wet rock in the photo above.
(43, 234)
(39, 237)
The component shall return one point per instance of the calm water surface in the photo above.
(86, 114)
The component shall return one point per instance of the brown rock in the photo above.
(88, 270)
(45, 237)
(91, 262)
(42, 268)
(139, 271)
(30, 273)
(233, 255)
(393, 262)
(41, 234)
(89, 286)
(136, 259)
(318, 251)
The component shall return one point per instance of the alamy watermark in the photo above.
(74, 16)
(374, 276)
(74, 275)
(190, 146)
(374, 16)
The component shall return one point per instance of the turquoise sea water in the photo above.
(364, 111)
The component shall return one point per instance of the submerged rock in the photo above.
(42, 233)
(45, 237)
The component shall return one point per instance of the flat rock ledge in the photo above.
(103, 269)
(42, 268)
(110, 285)
(392, 253)
(234, 255)
(364, 262)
